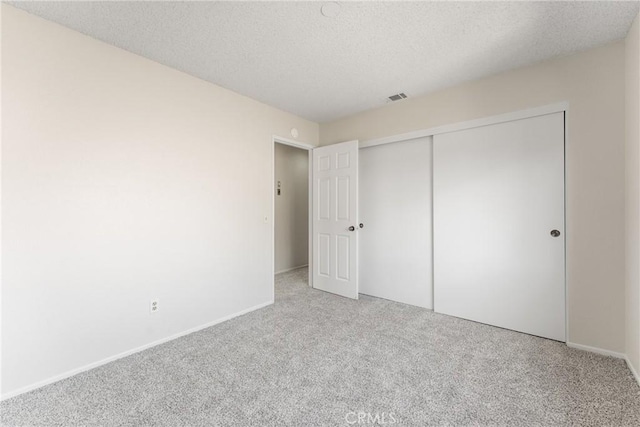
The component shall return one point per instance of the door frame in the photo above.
(469, 124)
(309, 148)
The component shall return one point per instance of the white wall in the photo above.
(633, 194)
(292, 207)
(593, 83)
(123, 180)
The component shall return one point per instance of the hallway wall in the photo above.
(291, 207)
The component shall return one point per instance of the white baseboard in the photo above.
(597, 350)
(93, 365)
(291, 269)
(632, 369)
(607, 353)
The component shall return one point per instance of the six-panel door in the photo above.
(335, 216)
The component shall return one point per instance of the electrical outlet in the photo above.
(154, 306)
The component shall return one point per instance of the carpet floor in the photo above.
(315, 359)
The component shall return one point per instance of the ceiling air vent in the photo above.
(397, 97)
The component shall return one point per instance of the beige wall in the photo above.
(593, 83)
(292, 207)
(122, 181)
(633, 193)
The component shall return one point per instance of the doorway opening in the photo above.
(291, 207)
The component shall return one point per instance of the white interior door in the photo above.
(499, 225)
(335, 219)
(395, 208)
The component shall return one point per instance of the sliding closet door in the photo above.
(499, 225)
(395, 209)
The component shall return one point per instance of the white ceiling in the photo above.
(287, 54)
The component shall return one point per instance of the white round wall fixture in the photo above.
(330, 9)
(294, 132)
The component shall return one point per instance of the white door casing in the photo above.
(498, 194)
(335, 211)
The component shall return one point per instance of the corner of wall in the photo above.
(632, 197)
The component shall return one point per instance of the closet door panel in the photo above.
(395, 209)
(499, 225)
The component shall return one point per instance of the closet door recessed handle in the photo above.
(352, 228)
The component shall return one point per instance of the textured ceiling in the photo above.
(287, 54)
